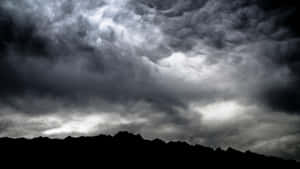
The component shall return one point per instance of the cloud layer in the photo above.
(220, 73)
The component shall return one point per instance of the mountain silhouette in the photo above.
(128, 149)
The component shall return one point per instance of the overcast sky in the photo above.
(214, 72)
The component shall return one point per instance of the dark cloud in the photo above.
(170, 63)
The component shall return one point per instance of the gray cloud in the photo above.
(161, 68)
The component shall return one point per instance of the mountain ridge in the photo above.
(124, 145)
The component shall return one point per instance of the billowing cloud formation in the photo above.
(220, 73)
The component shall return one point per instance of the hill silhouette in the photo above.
(130, 149)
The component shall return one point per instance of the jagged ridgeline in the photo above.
(129, 147)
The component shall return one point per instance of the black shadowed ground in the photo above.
(132, 149)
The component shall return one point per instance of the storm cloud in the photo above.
(220, 73)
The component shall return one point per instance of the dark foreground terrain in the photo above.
(125, 149)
